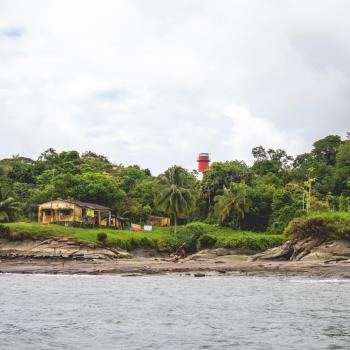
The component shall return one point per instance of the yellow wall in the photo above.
(56, 207)
(158, 221)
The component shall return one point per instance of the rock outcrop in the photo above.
(63, 248)
(308, 249)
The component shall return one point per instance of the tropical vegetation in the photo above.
(193, 237)
(262, 197)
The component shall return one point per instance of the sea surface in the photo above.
(173, 312)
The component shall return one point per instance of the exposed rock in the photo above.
(199, 274)
(222, 251)
(65, 248)
(308, 249)
(202, 255)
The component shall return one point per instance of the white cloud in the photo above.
(155, 83)
(249, 131)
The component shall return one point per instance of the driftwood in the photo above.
(180, 253)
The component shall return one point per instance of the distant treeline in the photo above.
(261, 197)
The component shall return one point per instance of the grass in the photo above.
(162, 239)
(119, 238)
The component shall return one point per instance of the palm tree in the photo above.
(174, 197)
(233, 203)
(8, 206)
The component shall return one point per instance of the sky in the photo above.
(155, 82)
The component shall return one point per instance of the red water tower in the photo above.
(203, 162)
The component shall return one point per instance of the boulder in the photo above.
(199, 274)
(222, 251)
(308, 249)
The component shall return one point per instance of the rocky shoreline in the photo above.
(147, 266)
(66, 256)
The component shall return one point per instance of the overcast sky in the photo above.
(155, 82)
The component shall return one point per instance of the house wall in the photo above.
(158, 221)
(78, 214)
(56, 208)
(115, 222)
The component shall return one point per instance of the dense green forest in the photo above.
(261, 197)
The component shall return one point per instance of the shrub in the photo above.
(4, 231)
(168, 244)
(147, 243)
(249, 240)
(315, 227)
(190, 234)
(133, 243)
(102, 237)
(205, 242)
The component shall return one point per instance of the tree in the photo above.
(9, 207)
(326, 148)
(233, 204)
(286, 205)
(343, 203)
(301, 159)
(218, 176)
(343, 167)
(271, 161)
(49, 155)
(96, 188)
(93, 162)
(260, 196)
(175, 198)
(259, 153)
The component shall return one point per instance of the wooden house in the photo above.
(77, 213)
(158, 220)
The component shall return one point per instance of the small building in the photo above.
(77, 213)
(158, 220)
(115, 221)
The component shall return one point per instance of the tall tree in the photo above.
(326, 148)
(343, 167)
(174, 197)
(233, 204)
(9, 207)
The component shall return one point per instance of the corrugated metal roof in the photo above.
(90, 205)
(83, 204)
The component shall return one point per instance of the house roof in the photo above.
(82, 204)
(157, 217)
(90, 205)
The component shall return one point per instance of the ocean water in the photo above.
(173, 312)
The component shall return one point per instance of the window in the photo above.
(66, 212)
